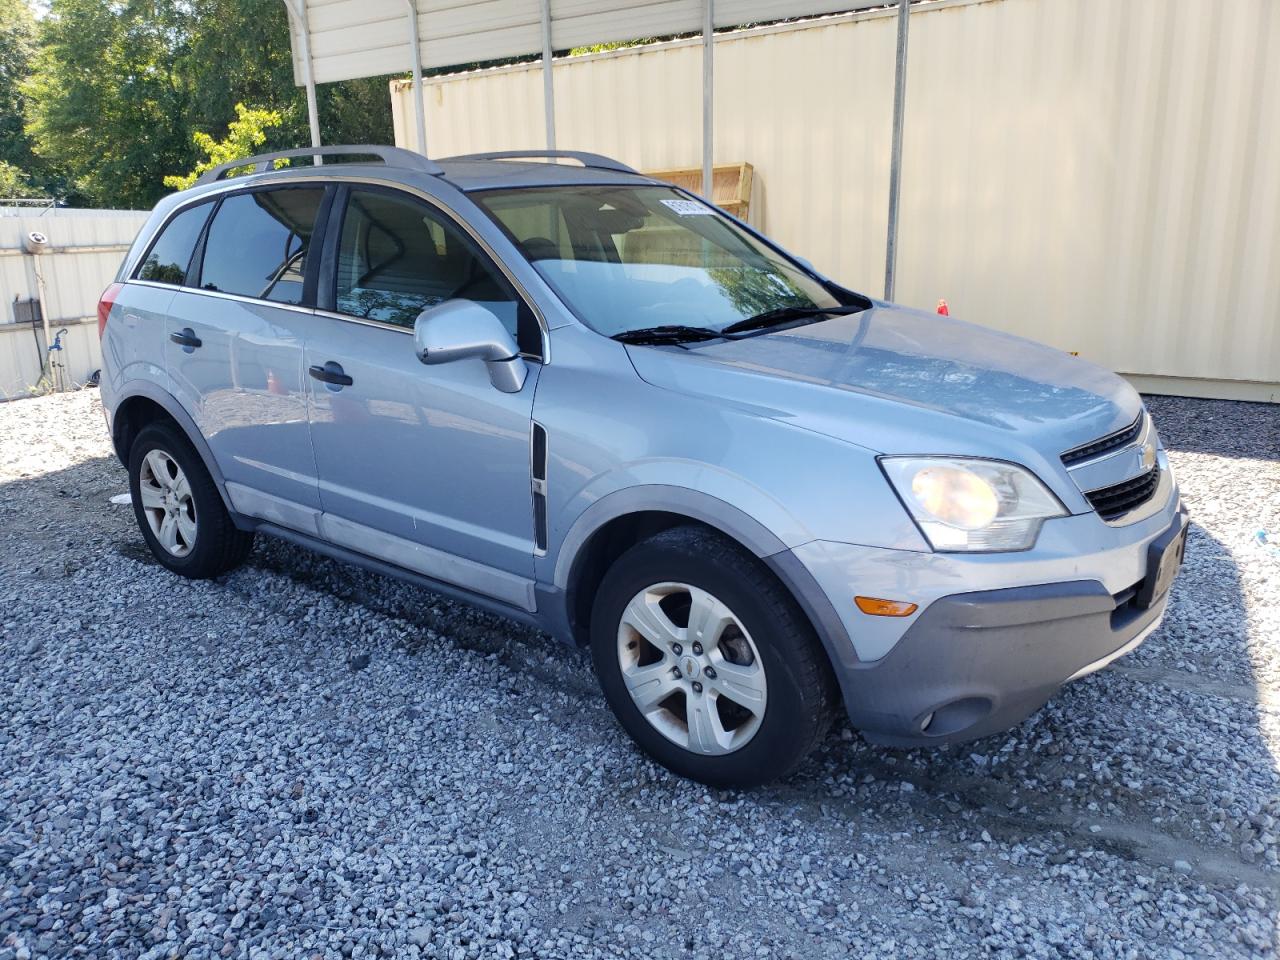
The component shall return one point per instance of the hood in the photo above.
(904, 381)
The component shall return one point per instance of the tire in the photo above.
(203, 540)
(738, 731)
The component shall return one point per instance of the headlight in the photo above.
(972, 505)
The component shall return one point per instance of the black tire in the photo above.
(218, 546)
(802, 696)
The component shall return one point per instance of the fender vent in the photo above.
(538, 470)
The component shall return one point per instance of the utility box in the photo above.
(27, 311)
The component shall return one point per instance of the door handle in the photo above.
(186, 338)
(331, 373)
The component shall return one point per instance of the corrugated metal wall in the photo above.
(347, 36)
(1098, 175)
(88, 247)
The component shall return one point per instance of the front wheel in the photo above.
(707, 661)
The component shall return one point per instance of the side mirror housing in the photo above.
(464, 330)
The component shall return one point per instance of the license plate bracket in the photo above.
(1164, 560)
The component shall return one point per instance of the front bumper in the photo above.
(977, 661)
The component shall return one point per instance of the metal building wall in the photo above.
(1094, 174)
(88, 246)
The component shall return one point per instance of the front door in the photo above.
(425, 467)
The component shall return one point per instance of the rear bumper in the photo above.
(975, 663)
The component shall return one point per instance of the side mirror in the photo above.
(463, 330)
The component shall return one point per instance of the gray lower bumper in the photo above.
(974, 664)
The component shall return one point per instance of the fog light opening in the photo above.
(956, 716)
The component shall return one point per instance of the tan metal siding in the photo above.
(1097, 175)
(88, 247)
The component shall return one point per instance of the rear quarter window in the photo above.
(169, 258)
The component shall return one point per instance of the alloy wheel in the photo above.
(691, 668)
(167, 503)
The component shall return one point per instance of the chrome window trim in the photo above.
(225, 187)
(219, 295)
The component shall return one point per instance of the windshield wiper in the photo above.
(670, 333)
(773, 318)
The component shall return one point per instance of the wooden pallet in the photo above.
(730, 185)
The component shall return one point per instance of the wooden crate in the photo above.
(730, 185)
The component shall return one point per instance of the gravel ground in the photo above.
(305, 759)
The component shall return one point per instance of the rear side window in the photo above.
(170, 255)
(259, 243)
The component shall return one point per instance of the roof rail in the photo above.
(391, 156)
(586, 159)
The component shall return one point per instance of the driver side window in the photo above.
(397, 256)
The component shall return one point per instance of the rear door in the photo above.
(235, 347)
(427, 467)
(135, 344)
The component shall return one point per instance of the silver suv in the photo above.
(591, 402)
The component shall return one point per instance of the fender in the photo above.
(664, 498)
(719, 515)
(148, 390)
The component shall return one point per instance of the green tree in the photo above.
(25, 174)
(245, 135)
(15, 185)
(120, 87)
(17, 46)
(105, 100)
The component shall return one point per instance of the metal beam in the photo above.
(895, 151)
(419, 95)
(298, 13)
(548, 84)
(708, 94)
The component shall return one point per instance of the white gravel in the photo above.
(306, 760)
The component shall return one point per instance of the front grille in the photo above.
(1118, 499)
(1096, 448)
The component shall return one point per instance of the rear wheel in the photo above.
(707, 661)
(178, 508)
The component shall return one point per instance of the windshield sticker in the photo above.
(688, 208)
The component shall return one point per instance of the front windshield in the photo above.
(633, 258)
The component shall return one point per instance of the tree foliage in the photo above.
(245, 135)
(119, 89)
(22, 174)
(15, 185)
(17, 46)
(105, 99)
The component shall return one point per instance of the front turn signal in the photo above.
(885, 608)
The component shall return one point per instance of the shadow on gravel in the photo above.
(1225, 428)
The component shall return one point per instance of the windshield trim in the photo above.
(838, 292)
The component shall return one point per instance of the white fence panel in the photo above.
(1093, 174)
(88, 246)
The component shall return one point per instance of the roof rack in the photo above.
(586, 159)
(391, 156)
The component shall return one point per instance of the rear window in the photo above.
(259, 242)
(170, 254)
